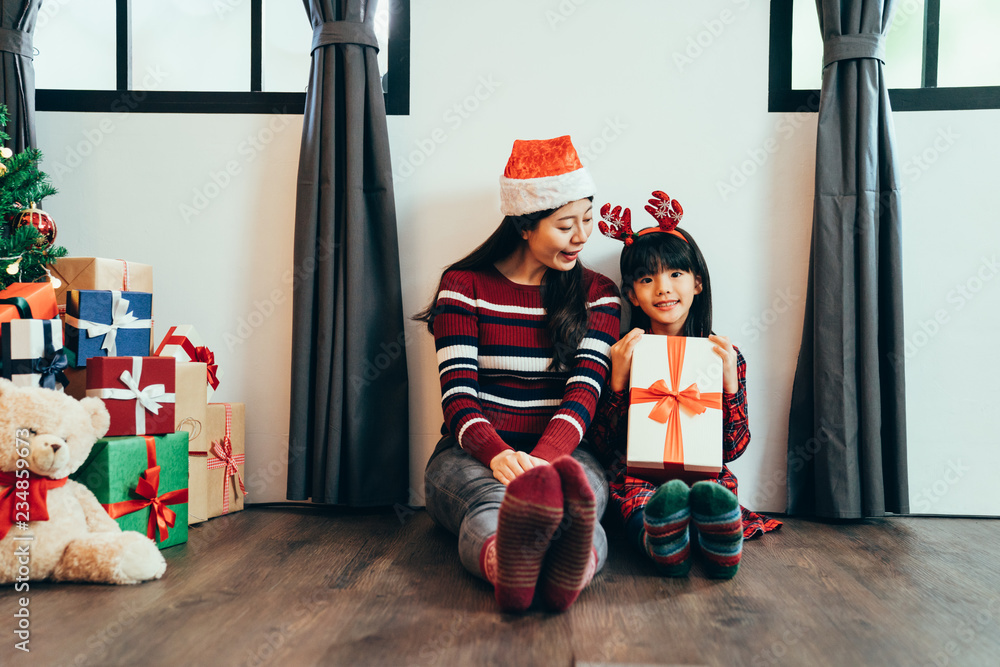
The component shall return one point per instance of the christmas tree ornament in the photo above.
(41, 221)
(14, 267)
(6, 153)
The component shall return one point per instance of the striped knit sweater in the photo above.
(493, 357)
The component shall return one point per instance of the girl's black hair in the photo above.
(652, 253)
(564, 295)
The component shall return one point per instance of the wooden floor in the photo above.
(303, 587)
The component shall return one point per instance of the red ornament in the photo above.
(41, 221)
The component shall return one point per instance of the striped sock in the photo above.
(717, 516)
(530, 513)
(571, 561)
(665, 519)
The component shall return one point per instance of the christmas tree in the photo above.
(24, 252)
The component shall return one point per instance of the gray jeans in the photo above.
(463, 497)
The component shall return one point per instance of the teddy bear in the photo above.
(69, 536)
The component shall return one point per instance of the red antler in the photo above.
(617, 224)
(668, 212)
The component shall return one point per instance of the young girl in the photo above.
(522, 332)
(666, 279)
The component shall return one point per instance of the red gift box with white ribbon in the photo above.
(137, 391)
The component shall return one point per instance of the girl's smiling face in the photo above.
(666, 297)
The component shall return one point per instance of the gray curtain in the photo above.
(847, 424)
(17, 22)
(349, 430)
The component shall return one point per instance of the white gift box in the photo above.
(672, 379)
(27, 345)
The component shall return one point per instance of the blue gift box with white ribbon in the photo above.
(31, 353)
(103, 323)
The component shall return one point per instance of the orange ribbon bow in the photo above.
(161, 517)
(668, 401)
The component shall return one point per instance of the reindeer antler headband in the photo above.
(617, 224)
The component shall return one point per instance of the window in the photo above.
(939, 55)
(151, 55)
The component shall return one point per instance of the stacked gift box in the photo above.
(31, 336)
(158, 401)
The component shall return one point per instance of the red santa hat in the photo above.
(543, 174)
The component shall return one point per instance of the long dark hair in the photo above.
(564, 296)
(652, 253)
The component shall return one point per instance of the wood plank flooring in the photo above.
(287, 586)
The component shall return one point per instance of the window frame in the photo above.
(781, 97)
(253, 101)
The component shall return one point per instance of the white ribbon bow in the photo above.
(149, 399)
(121, 318)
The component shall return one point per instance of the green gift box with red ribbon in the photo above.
(142, 482)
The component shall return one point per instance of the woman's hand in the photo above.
(508, 464)
(621, 359)
(725, 349)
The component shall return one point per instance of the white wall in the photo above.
(613, 76)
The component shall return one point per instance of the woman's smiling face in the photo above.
(558, 239)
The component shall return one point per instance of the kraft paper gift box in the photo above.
(31, 353)
(185, 344)
(137, 391)
(128, 474)
(102, 323)
(675, 409)
(97, 273)
(28, 301)
(217, 473)
(190, 411)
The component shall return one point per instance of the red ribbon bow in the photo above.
(668, 400)
(200, 353)
(37, 499)
(205, 355)
(222, 450)
(161, 517)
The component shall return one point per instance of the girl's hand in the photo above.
(621, 359)
(725, 349)
(508, 464)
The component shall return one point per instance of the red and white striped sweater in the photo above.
(494, 353)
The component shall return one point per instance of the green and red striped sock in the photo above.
(571, 561)
(530, 513)
(665, 521)
(716, 513)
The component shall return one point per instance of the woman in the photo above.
(522, 332)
